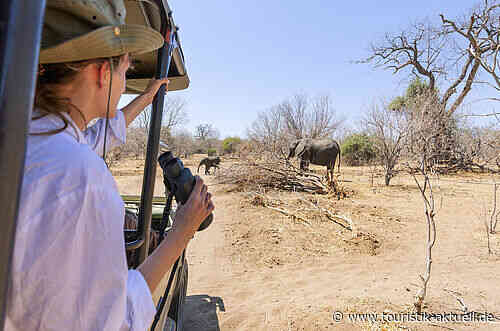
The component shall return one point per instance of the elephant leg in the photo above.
(303, 165)
(329, 172)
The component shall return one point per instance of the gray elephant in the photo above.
(209, 162)
(316, 151)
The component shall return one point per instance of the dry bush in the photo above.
(114, 156)
(388, 131)
(481, 148)
(135, 146)
(182, 143)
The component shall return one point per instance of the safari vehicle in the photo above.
(19, 49)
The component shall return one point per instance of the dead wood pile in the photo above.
(251, 176)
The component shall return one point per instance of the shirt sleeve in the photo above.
(116, 136)
(73, 272)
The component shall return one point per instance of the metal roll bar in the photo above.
(162, 68)
(19, 49)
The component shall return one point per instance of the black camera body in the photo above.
(179, 181)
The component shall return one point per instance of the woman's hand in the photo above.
(188, 218)
(190, 215)
(152, 88)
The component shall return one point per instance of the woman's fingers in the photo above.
(204, 190)
(197, 208)
(197, 186)
(200, 193)
(154, 86)
(210, 207)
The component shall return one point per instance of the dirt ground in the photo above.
(257, 269)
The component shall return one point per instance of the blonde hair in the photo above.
(50, 78)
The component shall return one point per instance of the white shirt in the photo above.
(69, 269)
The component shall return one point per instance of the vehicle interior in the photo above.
(16, 98)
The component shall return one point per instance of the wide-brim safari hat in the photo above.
(77, 30)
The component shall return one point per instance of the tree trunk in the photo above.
(387, 179)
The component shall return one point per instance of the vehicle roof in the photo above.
(150, 13)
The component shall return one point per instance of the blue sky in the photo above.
(245, 56)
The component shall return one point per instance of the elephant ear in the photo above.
(301, 148)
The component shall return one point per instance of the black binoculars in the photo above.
(179, 181)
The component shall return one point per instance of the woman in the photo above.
(69, 268)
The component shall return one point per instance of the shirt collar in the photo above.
(53, 122)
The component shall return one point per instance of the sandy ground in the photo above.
(257, 269)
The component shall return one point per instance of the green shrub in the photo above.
(358, 149)
(212, 152)
(229, 145)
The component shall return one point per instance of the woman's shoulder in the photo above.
(58, 170)
(62, 160)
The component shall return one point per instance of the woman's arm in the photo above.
(136, 106)
(188, 218)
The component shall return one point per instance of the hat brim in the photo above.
(107, 41)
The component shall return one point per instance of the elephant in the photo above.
(209, 162)
(316, 151)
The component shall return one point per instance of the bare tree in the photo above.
(309, 117)
(296, 117)
(494, 214)
(490, 217)
(425, 167)
(431, 131)
(144, 120)
(323, 120)
(430, 213)
(481, 33)
(174, 115)
(427, 50)
(294, 113)
(267, 130)
(426, 131)
(207, 135)
(388, 130)
(203, 132)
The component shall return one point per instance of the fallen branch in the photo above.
(332, 216)
(460, 300)
(289, 214)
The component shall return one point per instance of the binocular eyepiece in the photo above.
(179, 181)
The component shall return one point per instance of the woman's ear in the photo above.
(103, 75)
